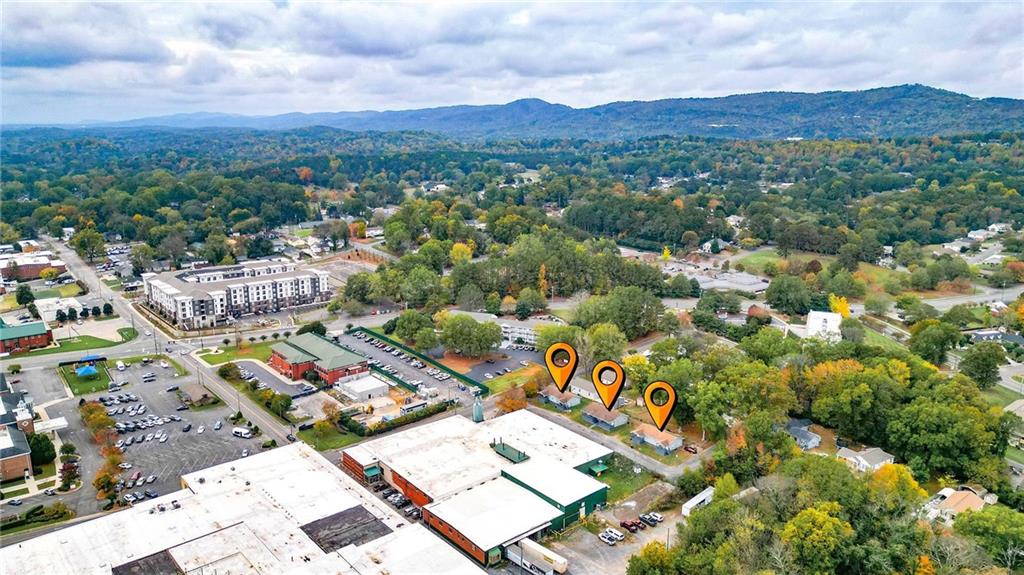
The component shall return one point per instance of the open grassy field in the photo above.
(1014, 454)
(517, 377)
(84, 385)
(258, 351)
(999, 395)
(87, 342)
(872, 337)
(621, 480)
(336, 439)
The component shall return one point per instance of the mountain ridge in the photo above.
(905, 110)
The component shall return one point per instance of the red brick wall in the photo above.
(352, 467)
(334, 375)
(454, 536)
(293, 371)
(26, 343)
(411, 491)
(14, 467)
(29, 271)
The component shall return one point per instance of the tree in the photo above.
(141, 258)
(313, 327)
(49, 273)
(959, 315)
(419, 285)
(88, 243)
(108, 309)
(606, 342)
(334, 234)
(817, 538)
(851, 329)
(410, 322)
(512, 400)
(999, 530)
(532, 299)
(789, 294)
(877, 305)
(639, 370)
(229, 371)
(84, 313)
(72, 314)
(23, 295)
(332, 412)
(426, 339)
(465, 336)
(492, 304)
(460, 253)
(653, 559)
(61, 316)
(931, 339)
(924, 566)
(839, 305)
(768, 344)
(981, 363)
(470, 298)
(281, 403)
(42, 449)
(726, 486)
(548, 334)
(95, 311)
(321, 428)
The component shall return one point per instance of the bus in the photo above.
(242, 432)
(411, 407)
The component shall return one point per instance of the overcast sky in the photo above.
(72, 62)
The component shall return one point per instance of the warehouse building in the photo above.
(26, 267)
(485, 519)
(208, 297)
(574, 494)
(484, 486)
(307, 352)
(248, 516)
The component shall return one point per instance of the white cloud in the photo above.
(67, 62)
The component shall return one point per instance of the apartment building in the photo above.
(208, 297)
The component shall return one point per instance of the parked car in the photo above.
(187, 428)
(615, 533)
(628, 525)
(51, 491)
(607, 539)
(245, 453)
(656, 516)
(648, 520)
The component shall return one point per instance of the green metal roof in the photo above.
(291, 353)
(23, 330)
(598, 468)
(311, 347)
(372, 471)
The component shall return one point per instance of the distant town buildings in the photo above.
(28, 266)
(211, 296)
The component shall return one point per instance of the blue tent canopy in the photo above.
(85, 371)
(92, 358)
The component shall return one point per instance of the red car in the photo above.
(628, 525)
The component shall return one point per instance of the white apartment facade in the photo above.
(208, 297)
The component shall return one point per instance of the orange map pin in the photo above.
(660, 413)
(561, 359)
(608, 380)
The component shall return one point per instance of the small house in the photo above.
(805, 438)
(563, 400)
(608, 420)
(871, 459)
(663, 442)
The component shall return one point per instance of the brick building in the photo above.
(28, 266)
(310, 352)
(19, 338)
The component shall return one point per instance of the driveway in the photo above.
(271, 377)
(514, 356)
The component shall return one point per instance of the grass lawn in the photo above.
(15, 493)
(31, 526)
(510, 380)
(258, 351)
(49, 470)
(243, 387)
(872, 337)
(7, 302)
(304, 233)
(82, 386)
(336, 439)
(12, 483)
(999, 395)
(621, 480)
(1014, 454)
(874, 276)
(564, 314)
(113, 284)
(46, 485)
(87, 342)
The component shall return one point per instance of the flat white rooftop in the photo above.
(495, 513)
(556, 481)
(539, 437)
(364, 384)
(452, 454)
(250, 516)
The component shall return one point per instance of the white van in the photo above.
(120, 366)
(242, 432)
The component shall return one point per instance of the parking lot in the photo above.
(182, 452)
(506, 358)
(271, 378)
(407, 372)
